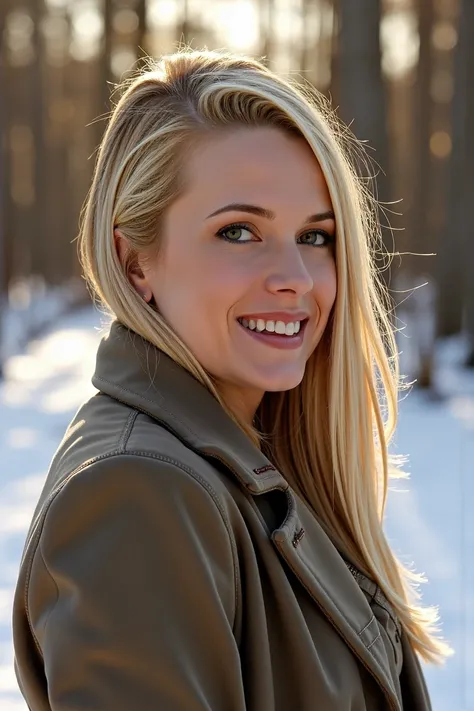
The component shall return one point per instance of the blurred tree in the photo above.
(266, 20)
(421, 237)
(184, 25)
(467, 175)
(420, 226)
(106, 64)
(5, 259)
(456, 247)
(38, 232)
(360, 89)
(142, 40)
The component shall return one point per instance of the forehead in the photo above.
(249, 163)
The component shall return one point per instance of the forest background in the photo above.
(399, 72)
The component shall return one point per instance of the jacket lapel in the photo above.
(314, 560)
(135, 372)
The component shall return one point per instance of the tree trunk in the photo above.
(5, 211)
(467, 23)
(455, 252)
(183, 26)
(39, 101)
(421, 238)
(420, 225)
(266, 19)
(362, 93)
(142, 41)
(106, 69)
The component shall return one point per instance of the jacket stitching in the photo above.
(344, 616)
(127, 430)
(99, 378)
(110, 455)
(152, 402)
(378, 596)
(374, 640)
(367, 625)
(386, 688)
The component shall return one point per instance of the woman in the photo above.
(209, 535)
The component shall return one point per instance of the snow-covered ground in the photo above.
(430, 525)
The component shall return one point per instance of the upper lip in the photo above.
(285, 316)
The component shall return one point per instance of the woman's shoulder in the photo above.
(106, 434)
(115, 461)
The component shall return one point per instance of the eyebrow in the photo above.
(268, 214)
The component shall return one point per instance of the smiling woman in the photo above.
(210, 534)
(282, 262)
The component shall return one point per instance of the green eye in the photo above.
(234, 233)
(316, 238)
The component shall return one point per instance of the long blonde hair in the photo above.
(328, 436)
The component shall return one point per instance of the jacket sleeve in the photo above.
(133, 592)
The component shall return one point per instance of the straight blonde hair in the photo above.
(329, 436)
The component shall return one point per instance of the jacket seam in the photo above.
(374, 640)
(367, 666)
(127, 430)
(377, 597)
(215, 497)
(36, 543)
(100, 379)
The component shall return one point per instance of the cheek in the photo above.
(195, 293)
(325, 286)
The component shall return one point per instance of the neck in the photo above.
(243, 403)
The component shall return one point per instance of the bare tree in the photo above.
(361, 91)
(39, 98)
(466, 35)
(184, 25)
(455, 251)
(266, 20)
(105, 65)
(4, 194)
(421, 237)
(419, 222)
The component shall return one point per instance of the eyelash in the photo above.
(243, 225)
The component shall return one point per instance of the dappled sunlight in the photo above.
(53, 376)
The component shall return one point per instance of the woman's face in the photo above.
(229, 290)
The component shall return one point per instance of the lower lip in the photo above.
(275, 340)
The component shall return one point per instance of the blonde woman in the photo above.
(210, 533)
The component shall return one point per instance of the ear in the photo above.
(132, 267)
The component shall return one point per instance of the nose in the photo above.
(289, 273)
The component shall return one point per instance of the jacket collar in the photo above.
(135, 372)
(132, 370)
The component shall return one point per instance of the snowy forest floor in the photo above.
(429, 521)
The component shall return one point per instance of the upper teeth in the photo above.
(287, 329)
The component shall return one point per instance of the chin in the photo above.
(282, 381)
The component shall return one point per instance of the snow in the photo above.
(429, 522)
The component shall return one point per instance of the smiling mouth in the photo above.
(274, 328)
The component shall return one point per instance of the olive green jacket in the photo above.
(170, 567)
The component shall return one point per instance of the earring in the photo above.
(145, 297)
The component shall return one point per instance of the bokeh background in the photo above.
(401, 74)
